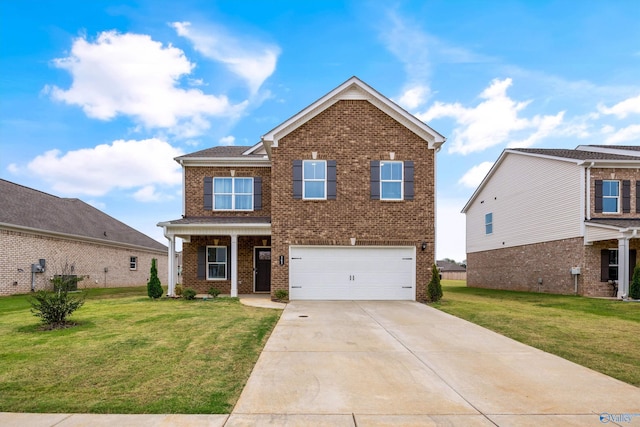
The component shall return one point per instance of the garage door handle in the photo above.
(407, 287)
(297, 287)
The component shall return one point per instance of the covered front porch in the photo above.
(231, 254)
(617, 241)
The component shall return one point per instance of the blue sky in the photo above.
(97, 97)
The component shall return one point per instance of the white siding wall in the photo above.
(532, 200)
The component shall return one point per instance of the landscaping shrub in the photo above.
(214, 292)
(434, 289)
(634, 288)
(178, 290)
(189, 294)
(54, 307)
(154, 288)
(282, 295)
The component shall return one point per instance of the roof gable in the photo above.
(27, 208)
(354, 89)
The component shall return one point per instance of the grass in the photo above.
(601, 334)
(130, 354)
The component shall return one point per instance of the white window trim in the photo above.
(232, 194)
(401, 180)
(486, 224)
(134, 263)
(618, 198)
(305, 180)
(226, 263)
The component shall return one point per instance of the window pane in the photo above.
(391, 190)
(610, 205)
(488, 218)
(216, 254)
(610, 188)
(314, 190)
(243, 203)
(613, 273)
(613, 257)
(222, 185)
(244, 186)
(314, 170)
(222, 202)
(217, 271)
(391, 171)
(221, 254)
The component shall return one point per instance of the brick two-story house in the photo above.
(556, 220)
(337, 202)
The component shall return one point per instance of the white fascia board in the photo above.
(624, 164)
(225, 161)
(354, 88)
(253, 149)
(609, 150)
(257, 229)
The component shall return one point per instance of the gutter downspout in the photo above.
(588, 191)
(172, 262)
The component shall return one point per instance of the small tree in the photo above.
(634, 289)
(54, 307)
(154, 288)
(434, 289)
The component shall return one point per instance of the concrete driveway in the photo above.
(374, 363)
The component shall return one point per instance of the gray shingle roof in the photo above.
(618, 222)
(449, 266)
(577, 154)
(26, 207)
(223, 151)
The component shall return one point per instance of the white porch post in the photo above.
(172, 265)
(623, 267)
(234, 265)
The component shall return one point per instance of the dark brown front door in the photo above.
(263, 269)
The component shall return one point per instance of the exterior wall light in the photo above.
(424, 246)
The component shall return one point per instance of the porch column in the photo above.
(234, 265)
(172, 265)
(623, 267)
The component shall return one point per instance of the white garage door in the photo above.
(352, 273)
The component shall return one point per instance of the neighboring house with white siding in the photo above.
(42, 235)
(557, 221)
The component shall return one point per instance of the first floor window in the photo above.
(314, 179)
(133, 263)
(233, 194)
(391, 180)
(610, 196)
(613, 264)
(216, 262)
(488, 223)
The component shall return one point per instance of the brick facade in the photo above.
(619, 174)
(89, 260)
(353, 133)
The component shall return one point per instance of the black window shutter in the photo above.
(604, 265)
(257, 193)
(202, 262)
(598, 189)
(208, 193)
(626, 196)
(331, 180)
(637, 196)
(375, 180)
(297, 179)
(632, 263)
(408, 180)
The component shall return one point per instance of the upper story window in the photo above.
(233, 194)
(391, 180)
(314, 179)
(488, 223)
(610, 196)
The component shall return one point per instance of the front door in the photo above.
(263, 269)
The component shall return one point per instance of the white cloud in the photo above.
(227, 140)
(13, 168)
(474, 176)
(629, 133)
(120, 165)
(494, 121)
(622, 109)
(253, 61)
(133, 75)
(147, 194)
(415, 96)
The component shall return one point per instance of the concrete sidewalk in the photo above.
(404, 363)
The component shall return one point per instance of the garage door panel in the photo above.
(360, 273)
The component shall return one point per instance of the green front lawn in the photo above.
(130, 354)
(601, 334)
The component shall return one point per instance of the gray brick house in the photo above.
(557, 221)
(42, 235)
(337, 202)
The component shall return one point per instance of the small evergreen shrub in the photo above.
(54, 307)
(214, 292)
(634, 288)
(178, 290)
(189, 294)
(282, 295)
(154, 288)
(434, 289)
